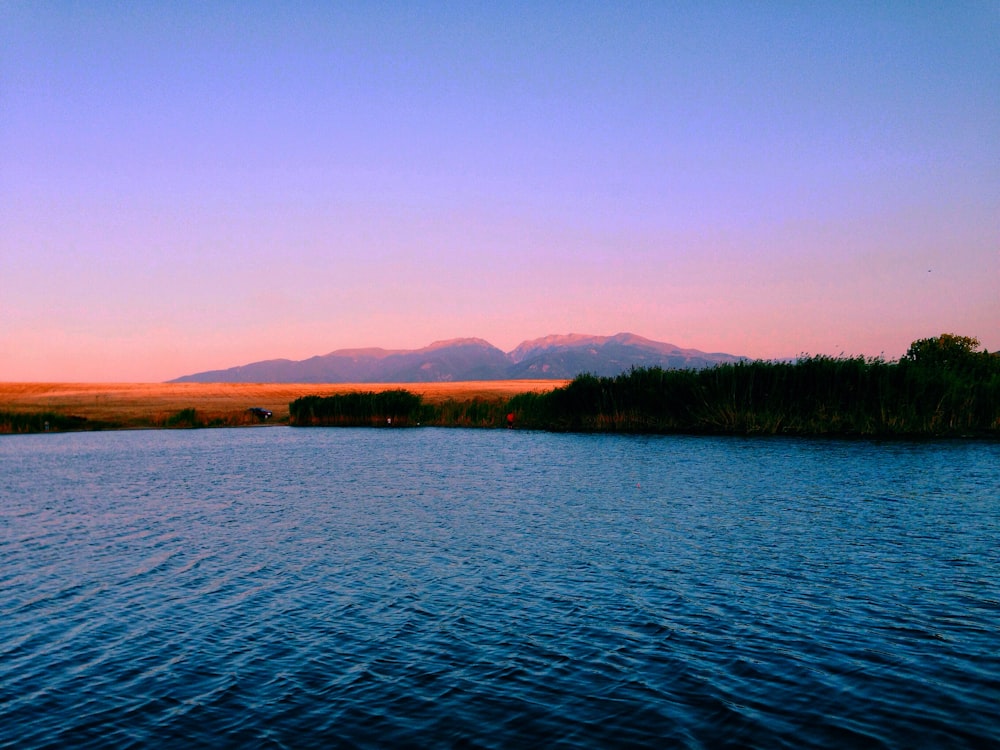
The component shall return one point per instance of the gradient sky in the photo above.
(191, 186)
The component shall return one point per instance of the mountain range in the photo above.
(551, 357)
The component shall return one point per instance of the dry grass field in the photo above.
(152, 404)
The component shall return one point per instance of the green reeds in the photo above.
(815, 396)
(395, 408)
(943, 387)
(386, 408)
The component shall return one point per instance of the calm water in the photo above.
(276, 588)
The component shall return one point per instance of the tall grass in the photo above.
(819, 395)
(816, 395)
(941, 387)
(368, 408)
(396, 408)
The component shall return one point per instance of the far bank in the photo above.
(81, 406)
(942, 388)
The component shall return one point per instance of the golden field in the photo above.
(151, 404)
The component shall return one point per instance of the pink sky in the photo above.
(184, 189)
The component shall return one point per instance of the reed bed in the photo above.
(814, 396)
(943, 387)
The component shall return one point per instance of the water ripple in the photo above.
(433, 588)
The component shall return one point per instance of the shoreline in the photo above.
(817, 397)
(110, 406)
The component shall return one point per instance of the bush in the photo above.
(386, 408)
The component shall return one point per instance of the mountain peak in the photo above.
(633, 340)
(558, 356)
(446, 343)
(524, 349)
(577, 340)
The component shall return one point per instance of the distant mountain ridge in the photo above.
(553, 357)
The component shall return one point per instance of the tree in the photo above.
(945, 351)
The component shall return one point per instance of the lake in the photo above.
(277, 587)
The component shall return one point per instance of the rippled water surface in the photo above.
(276, 587)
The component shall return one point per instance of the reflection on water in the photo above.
(441, 588)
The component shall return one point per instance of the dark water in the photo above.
(449, 588)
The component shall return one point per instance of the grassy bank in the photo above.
(26, 407)
(48, 421)
(943, 387)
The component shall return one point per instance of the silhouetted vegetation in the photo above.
(361, 409)
(17, 422)
(943, 386)
(396, 408)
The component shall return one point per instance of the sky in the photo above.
(194, 186)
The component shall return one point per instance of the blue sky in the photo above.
(188, 186)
